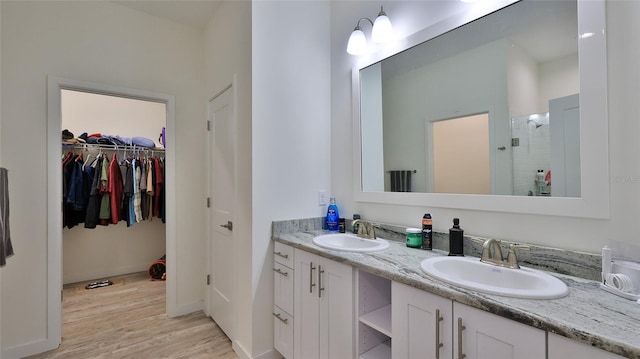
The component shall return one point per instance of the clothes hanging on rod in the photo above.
(106, 191)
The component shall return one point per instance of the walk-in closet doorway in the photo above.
(68, 261)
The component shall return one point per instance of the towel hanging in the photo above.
(6, 249)
(401, 180)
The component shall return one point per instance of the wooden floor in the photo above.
(128, 320)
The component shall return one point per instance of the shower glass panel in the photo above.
(531, 144)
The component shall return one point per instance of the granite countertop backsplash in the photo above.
(588, 314)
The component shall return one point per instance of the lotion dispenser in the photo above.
(456, 239)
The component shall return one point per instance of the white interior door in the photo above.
(564, 119)
(222, 140)
(460, 147)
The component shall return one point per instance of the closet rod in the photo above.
(90, 146)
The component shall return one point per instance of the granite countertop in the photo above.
(588, 314)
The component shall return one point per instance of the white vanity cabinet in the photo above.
(323, 308)
(482, 335)
(283, 282)
(421, 324)
(561, 348)
(425, 323)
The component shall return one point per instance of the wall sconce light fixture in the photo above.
(381, 33)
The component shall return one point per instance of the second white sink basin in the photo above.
(470, 273)
(350, 243)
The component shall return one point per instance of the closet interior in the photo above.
(113, 174)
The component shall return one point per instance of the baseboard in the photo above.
(104, 273)
(242, 353)
(33, 348)
(185, 309)
(269, 354)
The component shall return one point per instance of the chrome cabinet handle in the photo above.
(311, 284)
(438, 344)
(461, 327)
(279, 254)
(277, 270)
(320, 289)
(284, 320)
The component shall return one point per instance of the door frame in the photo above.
(54, 190)
(230, 86)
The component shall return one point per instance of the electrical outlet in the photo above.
(322, 198)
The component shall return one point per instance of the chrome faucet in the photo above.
(363, 231)
(492, 254)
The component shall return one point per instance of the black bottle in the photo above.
(456, 239)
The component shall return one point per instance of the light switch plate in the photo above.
(322, 198)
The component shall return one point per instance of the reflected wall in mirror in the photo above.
(518, 61)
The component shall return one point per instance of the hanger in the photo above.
(95, 162)
(86, 161)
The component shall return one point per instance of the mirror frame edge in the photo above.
(594, 202)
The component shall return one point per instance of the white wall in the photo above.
(227, 51)
(291, 130)
(524, 82)
(558, 78)
(105, 43)
(565, 232)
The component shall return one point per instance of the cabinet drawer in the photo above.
(283, 254)
(283, 332)
(283, 287)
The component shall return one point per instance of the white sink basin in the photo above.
(470, 273)
(350, 243)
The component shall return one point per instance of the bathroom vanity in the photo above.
(381, 305)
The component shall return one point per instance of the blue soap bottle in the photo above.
(333, 217)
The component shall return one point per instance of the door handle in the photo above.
(277, 270)
(228, 226)
(320, 289)
(311, 284)
(284, 320)
(461, 327)
(279, 254)
(438, 344)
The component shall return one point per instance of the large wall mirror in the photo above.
(502, 111)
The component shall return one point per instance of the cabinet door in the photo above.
(306, 307)
(421, 324)
(283, 278)
(561, 348)
(283, 332)
(482, 335)
(335, 294)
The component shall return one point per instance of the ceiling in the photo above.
(188, 12)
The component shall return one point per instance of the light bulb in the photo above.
(382, 32)
(357, 44)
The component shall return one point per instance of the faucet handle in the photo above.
(372, 231)
(512, 259)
